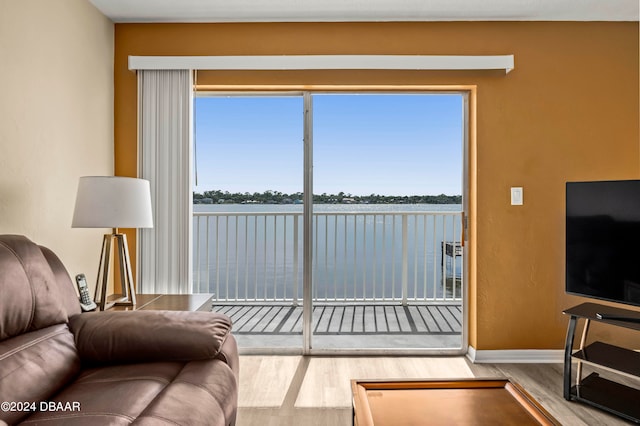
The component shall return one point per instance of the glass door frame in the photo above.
(468, 94)
(307, 228)
(469, 199)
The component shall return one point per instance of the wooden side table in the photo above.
(169, 302)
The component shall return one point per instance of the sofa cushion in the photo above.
(171, 393)
(34, 366)
(30, 298)
(204, 393)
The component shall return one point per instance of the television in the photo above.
(603, 240)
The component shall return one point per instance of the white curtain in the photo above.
(164, 123)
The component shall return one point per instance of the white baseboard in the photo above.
(519, 356)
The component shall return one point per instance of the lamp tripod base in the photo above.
(126, 276)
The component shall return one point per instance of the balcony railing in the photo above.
(398, 257)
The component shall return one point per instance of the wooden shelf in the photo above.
(610, 396)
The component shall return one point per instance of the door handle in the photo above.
(463, 235)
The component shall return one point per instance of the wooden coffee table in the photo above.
(445, 402)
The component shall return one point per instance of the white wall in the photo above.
(56, 121)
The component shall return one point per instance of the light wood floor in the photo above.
(296, 390)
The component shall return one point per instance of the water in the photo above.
(255, 251)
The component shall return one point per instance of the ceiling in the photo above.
(366, 10)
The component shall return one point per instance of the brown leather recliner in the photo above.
(60, 366)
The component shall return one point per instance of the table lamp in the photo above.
(113, 202)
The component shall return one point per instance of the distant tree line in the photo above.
(277, 197)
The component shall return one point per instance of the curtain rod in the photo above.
(325, 62)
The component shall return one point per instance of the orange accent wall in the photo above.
(569, 111)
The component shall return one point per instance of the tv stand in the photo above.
(617, 317)
(594, 390)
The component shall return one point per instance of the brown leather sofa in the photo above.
(59, 366)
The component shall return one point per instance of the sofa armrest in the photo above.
(145, 336)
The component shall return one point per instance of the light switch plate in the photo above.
(516, 196)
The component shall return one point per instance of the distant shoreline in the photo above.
(199, 202)
(275, 197)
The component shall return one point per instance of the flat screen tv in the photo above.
(603, 240)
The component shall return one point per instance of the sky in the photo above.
(386, 144)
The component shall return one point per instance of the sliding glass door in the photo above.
(332, 221)
(247, 224)
(387, 210)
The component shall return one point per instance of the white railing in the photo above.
(375, 257)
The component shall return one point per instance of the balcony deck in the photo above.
(345, 319)
(353, 325)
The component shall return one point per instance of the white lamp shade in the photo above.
(113, 202)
